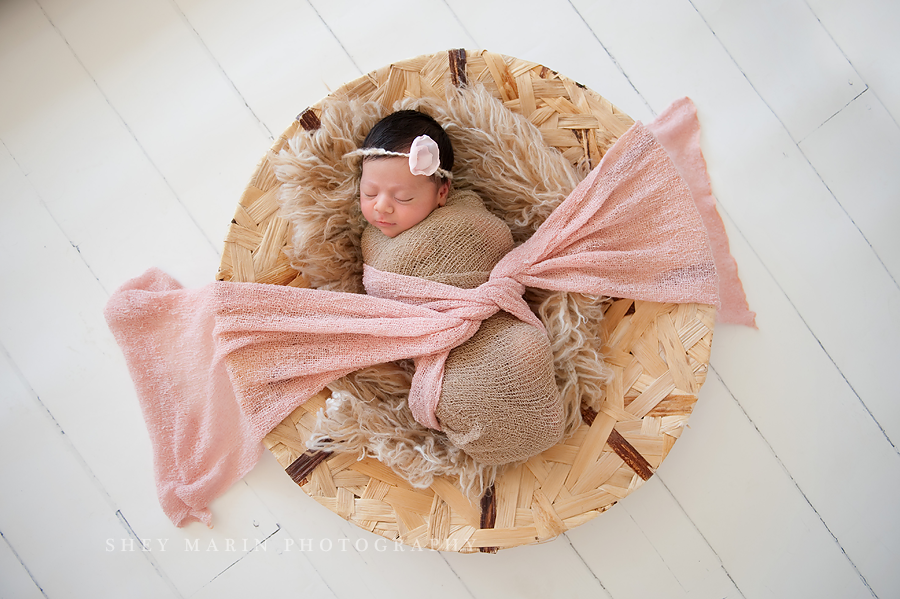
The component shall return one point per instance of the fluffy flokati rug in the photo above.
(504, 159)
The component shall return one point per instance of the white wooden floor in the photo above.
(129, 129)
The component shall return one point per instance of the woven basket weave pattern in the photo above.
(659, 352)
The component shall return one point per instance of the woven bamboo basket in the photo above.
(659, 352)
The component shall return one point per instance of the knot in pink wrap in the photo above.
(499, 293)
(470, 306)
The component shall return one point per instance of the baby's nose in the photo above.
(383, 205)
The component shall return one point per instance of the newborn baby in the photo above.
(499, 401)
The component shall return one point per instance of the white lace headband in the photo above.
(424, 156)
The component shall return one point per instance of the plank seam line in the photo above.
(791, 136)
(336, 38)
(76, 455)
(741, 71)
(125, 124)
(24, 566)
(586, 565)
(455, 573)
(49, 212)
(834, 195)
(700, 532)
(847, 58)
(73, 451)
(459, 21)
(811, 332)
(221, 69)
(660, 556)
(148, 555)
(241, 558)
(836, 112)
(613, 58)
(794, 482)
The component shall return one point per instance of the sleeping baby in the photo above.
(499, 401)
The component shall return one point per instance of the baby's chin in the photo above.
(389, 229)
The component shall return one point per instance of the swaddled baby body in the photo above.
(499, 400)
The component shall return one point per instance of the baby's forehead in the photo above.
(391, 173)
(386, 182)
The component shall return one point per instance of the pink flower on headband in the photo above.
(424, 156)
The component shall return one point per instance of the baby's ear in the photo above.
(443, 192)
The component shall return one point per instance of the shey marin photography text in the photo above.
(246, 545)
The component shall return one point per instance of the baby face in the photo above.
(393, 199)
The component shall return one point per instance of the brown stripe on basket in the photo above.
(309, 120)
(489, 515)
(629, 455)
(302, 467)
(458, 67)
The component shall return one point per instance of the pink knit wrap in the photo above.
(629, 229)
(217, 368)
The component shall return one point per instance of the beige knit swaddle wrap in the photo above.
(499, 401)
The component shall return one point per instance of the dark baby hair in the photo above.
(396, 132)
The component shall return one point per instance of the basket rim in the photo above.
(612, 440)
